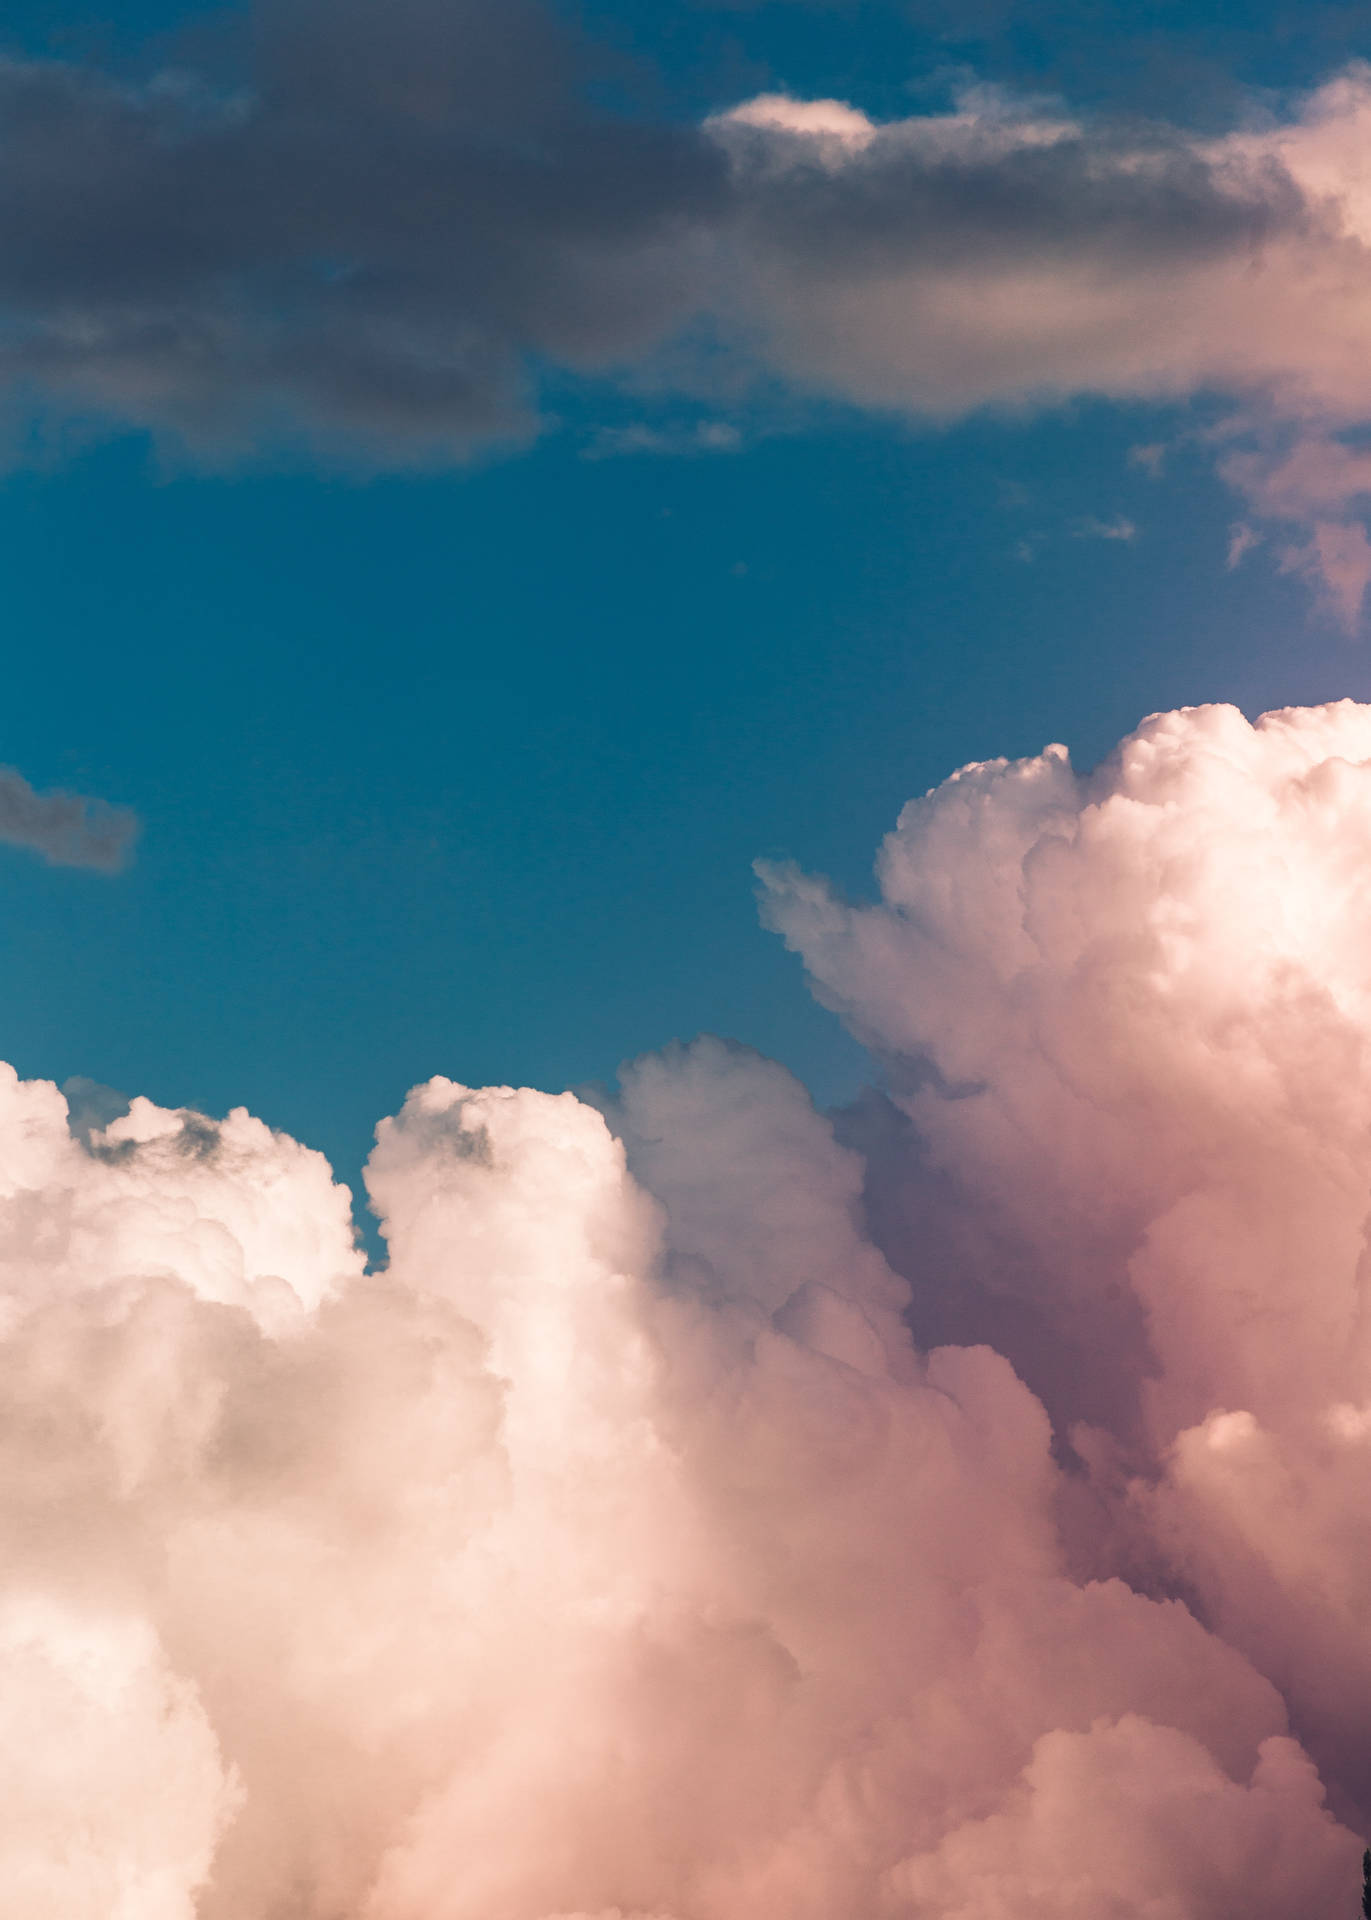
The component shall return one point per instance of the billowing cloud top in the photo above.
(617, 1552)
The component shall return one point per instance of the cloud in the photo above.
(367, 248)
(1336, 559)
(1003, 255)
(68, 829)
(364, 245)
(1009, 255)
(998, 255)
(715, 1508)
(704, 436)
(1124, 1016)
(1028, 546)
(1093, 528)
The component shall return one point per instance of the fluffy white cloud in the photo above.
(1142, 1006)
(615, 1553)
(114, 1793)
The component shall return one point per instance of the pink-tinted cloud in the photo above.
(1128, 1017)
(1009, 256)
(619, 1550)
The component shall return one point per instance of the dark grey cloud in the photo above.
(372, 236)
(67, 829)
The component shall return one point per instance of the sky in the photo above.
(451, 745)
(683, 1165)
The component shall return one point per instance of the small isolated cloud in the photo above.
(1029, 545)
(705, 436)
(1151, 458)
(1241, 540)
(1091, 528)
(67, 829)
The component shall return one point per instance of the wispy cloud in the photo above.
(1093, 528)
(1118, 528)
(67, 829)
(1336, 561)
(1151, 458)
(705, 436)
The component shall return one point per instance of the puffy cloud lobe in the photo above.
(87, 1701)
(1126, 1016)
(1078, 1829)
(614, 1552)
(244, 1216)
(68, 829)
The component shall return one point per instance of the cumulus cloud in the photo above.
(707, 1511)
(67, 829)
(1126, 1021)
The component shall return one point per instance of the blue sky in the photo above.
(462, 769)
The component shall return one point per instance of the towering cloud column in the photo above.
(1129, 1017)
